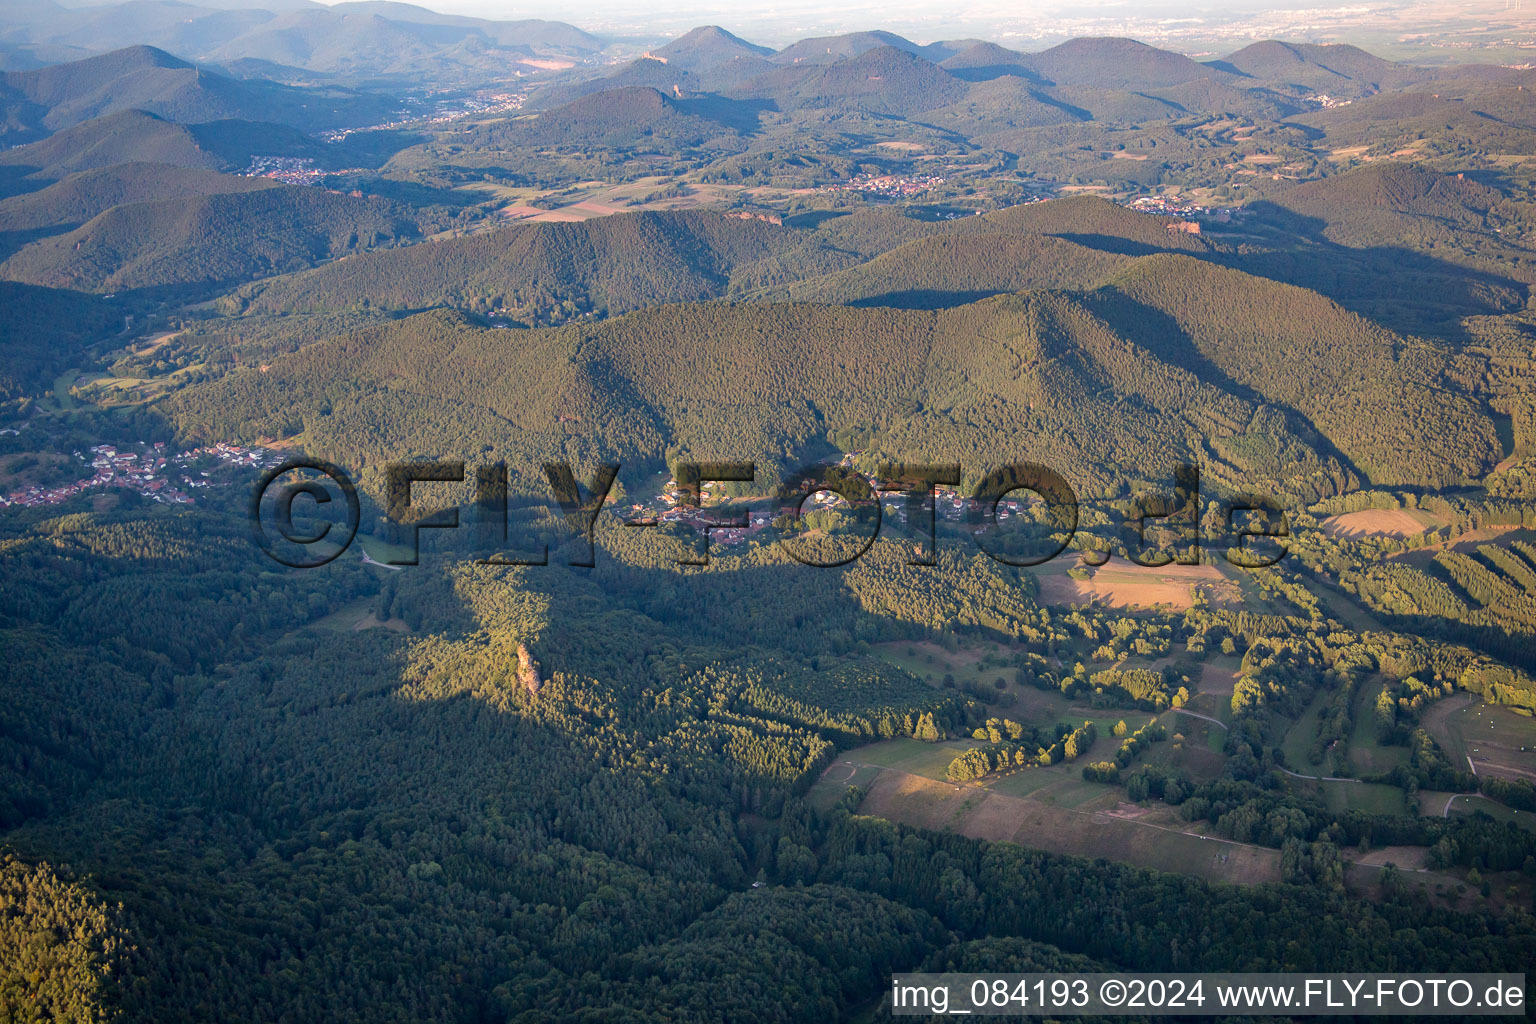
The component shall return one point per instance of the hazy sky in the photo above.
(1191, 21)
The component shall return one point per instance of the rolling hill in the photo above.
(830, 49)
(131, 136)
(708, 46)
(1165, 362)
(628, 261)
(612, 264)
(361, 38)
(1112, 63)
(1003, 103)
(207, 240)
(645, 73)
(1410, 247)
(1386, 405)
(42, 332)
(983, 61)
(135, 78)
(138, 137)
(1125, 332)
(961, 267)
(883, 79)
(1337, 69)
(77, 198)
(145, 78)
(630, 117)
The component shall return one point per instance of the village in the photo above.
(1174, 206)
(668, 507)
(147, 470)
(895, 186)
(485, 104)
(293, 170)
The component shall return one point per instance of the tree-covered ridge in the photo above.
(208, 240)
(609, 265)
(616, 264)
(71, 201)
(1172, 350)
(1374, 395)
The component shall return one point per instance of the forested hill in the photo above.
(708, 46)
(1398, 204)
(208, 240)
(368, 39)
(955, 268)
(1168, 362)
(614, 264)
(138, 77)
(625, 117)
(79, 197)
(607, 265)
(885, 79)
(137, 136)
(48, 99)
(43, 332)
(124, 137)
(1414, 249)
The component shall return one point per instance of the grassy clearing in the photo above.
(977, 663)
(930, 760)
(1367, 753)
(1472, 803)
(1371, 797)
(1298, 739)
(829, 789)
(1498, 741)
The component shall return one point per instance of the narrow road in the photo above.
(1298, 775)
(1196, 714)
(1316, 778)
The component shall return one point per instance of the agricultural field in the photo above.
(1395, 522)
(1081, 819)
(1123, 585)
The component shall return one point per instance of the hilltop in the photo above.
(1168, 349)
(77, 198)
(1112, 63)
(883, 79)
(983, 61)
(609, 265)
(1335, 68)
(207, 240)
(706, 47)
(131, 136)
(830, 49)
(627, 117)
(134, 78)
